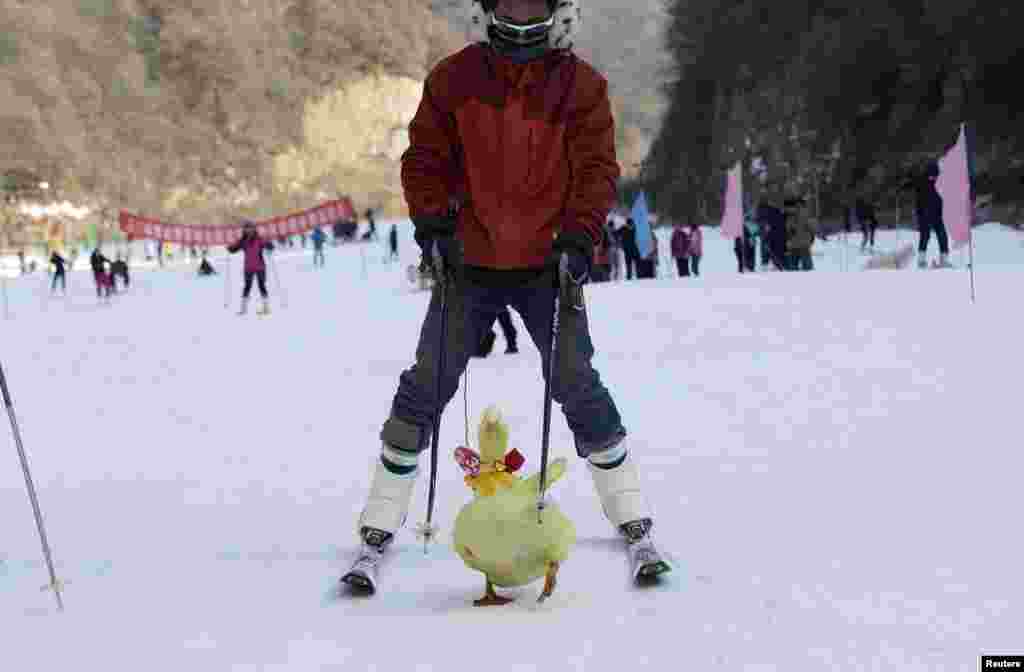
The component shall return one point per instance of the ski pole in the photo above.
(277, 281)
(54, 585)
(227, 281)
(560, 278)
(440, 277)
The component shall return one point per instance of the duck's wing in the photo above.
(531, 485)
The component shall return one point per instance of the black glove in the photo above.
(579, 249)
(440, 230)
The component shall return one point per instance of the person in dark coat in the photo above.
(393, 243)
(627, 234)
(868, 223)
(773, 219)
(319, 240)
(99, 265)
(253, 247)
(58, 274)
(929, 218)
(206, 268)
(119, 269)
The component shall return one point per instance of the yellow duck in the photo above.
(498, 533)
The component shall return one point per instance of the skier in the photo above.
(868, 223)
(929, 218)
(627, 234)
(520, 80)
(681, 249)
(58, 273)
(99, 273)
(206, 268)
(319, 239)
(696, 247)
(371, 233)
(393, 243)
(800, 229)
(507, 328)
(253, 246)
(119, 269)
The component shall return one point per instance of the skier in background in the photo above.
(58, 273)
(255, 268)
(99, 273)
(119, 269)
(868, 223)
(681, 249)
(929, 218)
(393, 243)
(696, 247)
(371, 233)
(206, 268)
(319, 240)
(627, 235)
(560, 210)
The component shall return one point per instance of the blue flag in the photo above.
(644, 237)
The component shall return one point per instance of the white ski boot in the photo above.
(387, 507)
(264, 308)
(626, 508)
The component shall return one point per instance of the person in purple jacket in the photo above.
(253, 246)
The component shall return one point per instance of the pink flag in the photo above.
(954, 185)
(732, 214)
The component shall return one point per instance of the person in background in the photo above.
(614, 250)
(868, 223)
(319, 240)
(627, 235)
(255, 268)
(681, 249)
(800, 232)
(119, 269)
(929, 218)
(99, 273)
(58, 273)
(206, 268)
(696, 247)
(393, 243)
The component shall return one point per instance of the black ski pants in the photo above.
(261, 280)
(940, 233)
(683, 266)
(868, 225)
(588, 406)
(62, 278)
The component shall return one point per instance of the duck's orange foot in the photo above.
(550, 581)
(491, 598)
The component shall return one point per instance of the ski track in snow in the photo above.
(832, 458)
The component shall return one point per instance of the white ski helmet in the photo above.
(567, 14)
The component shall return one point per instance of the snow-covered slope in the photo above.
(833, 458)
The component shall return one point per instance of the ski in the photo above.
(362, 577)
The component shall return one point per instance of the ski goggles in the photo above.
(522, 34)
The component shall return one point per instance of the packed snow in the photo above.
(833, 459)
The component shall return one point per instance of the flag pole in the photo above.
(970, 260)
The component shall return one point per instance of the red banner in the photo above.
(136, 227)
